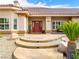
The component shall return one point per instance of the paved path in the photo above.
(6, 48)
(41, 53)
(49, 53)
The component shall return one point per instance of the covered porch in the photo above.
(45, 24)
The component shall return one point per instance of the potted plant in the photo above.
(71, 29)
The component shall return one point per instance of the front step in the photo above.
(34, 39)
(38, 44)
(25, 53)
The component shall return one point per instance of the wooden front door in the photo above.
(37, 26)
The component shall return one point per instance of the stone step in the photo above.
(35, 39)
(25, 53)
(38, 44)
(38, 39)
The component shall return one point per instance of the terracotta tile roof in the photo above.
(46, 11)
(53, 11)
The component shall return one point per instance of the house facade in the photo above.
(21, 20)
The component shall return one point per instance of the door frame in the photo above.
(40, 25)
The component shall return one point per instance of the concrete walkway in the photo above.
(37, 44)
(49, 53)
(7, 47)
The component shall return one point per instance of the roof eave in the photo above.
(10, 8)
(54, 15)
(22, 12)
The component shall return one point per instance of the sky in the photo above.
(45, 3)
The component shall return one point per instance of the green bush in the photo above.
(76, 54)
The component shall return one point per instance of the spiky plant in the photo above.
(71, 29)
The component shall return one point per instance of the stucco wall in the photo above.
(9, 15)
(22, 23)
(13, 16)
(75, 18)
(5, 14)
(48, 24)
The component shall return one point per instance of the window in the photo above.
(4, 23)
(55, 24)
(15, 23)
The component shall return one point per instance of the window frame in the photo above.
(15, 24)
(4, 23)
(55, 25)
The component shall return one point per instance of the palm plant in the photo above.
(71, 29)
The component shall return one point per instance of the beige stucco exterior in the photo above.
(9, 15)
(25, 20)
(48, 24)
(75, 19)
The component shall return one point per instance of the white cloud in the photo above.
(6, 1)
(25, 3)
(59, 6)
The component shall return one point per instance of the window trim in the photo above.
(55, 28)
(15, 24)
(4, 23)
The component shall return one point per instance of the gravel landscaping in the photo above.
(7, 47)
